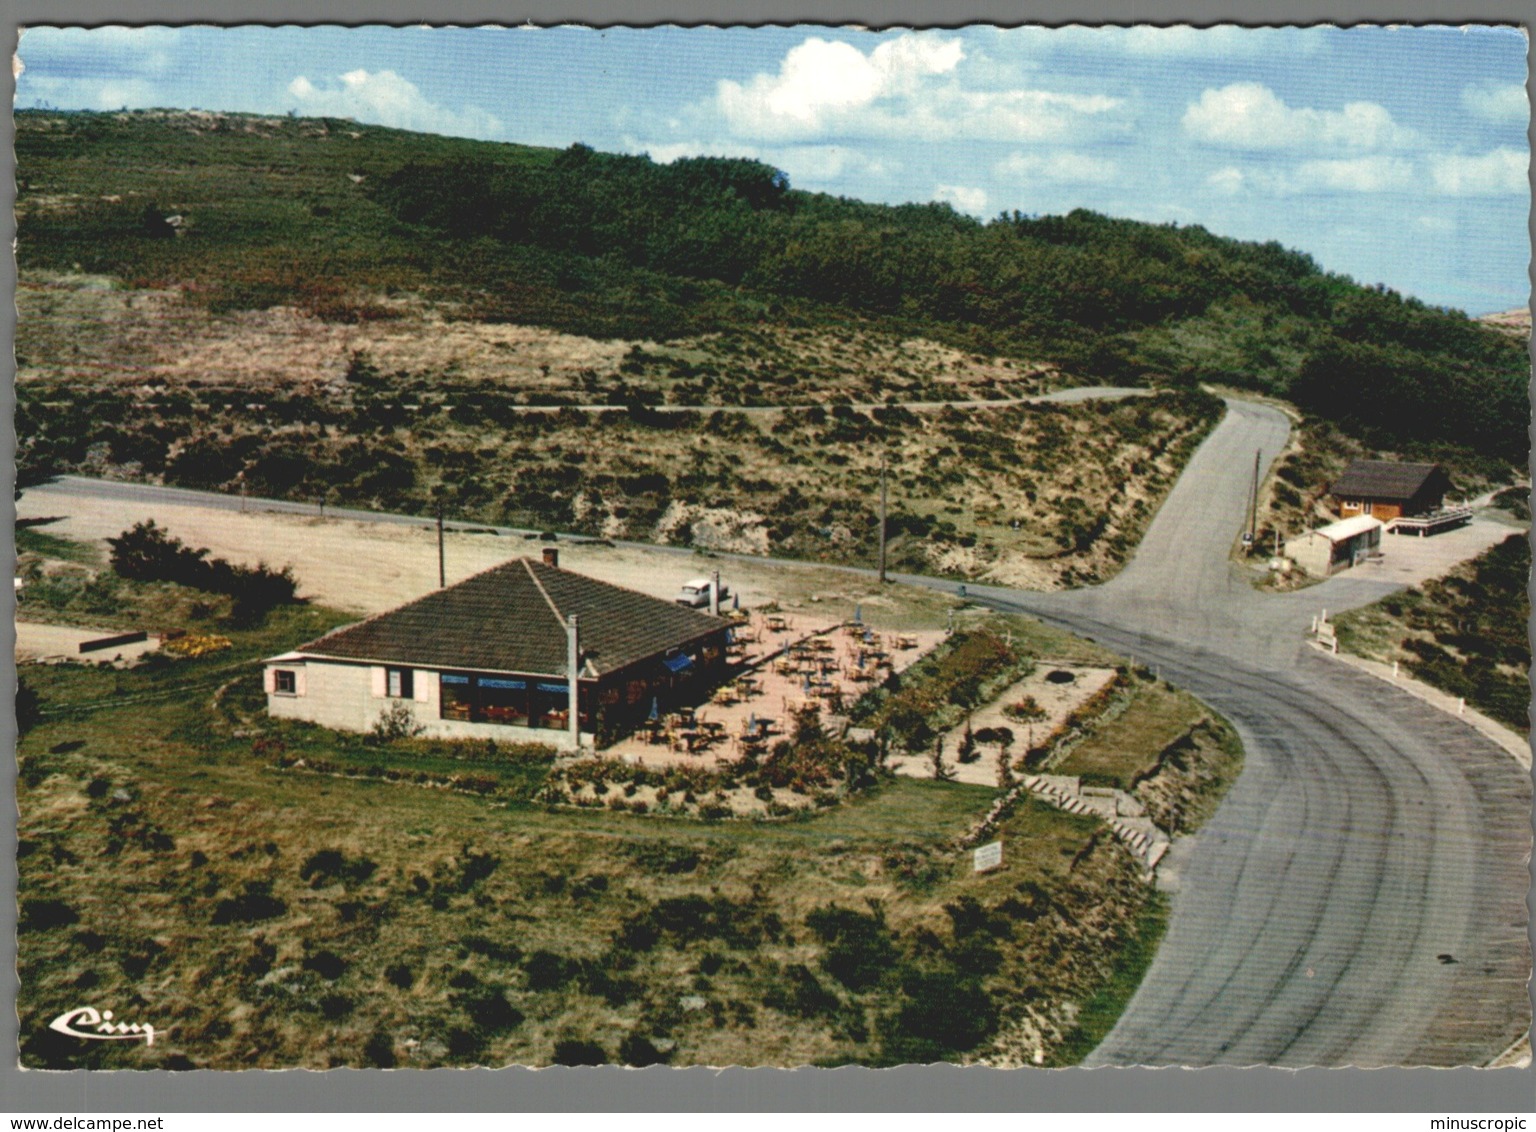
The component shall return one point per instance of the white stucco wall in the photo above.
(1314, 551)
(1311, 552)
(339, 695)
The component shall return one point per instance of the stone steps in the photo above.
(1145, 840)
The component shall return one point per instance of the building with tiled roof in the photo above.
(1386, 490)
(503, 655)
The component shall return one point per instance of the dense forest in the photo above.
(308, 211)
(1083, 289)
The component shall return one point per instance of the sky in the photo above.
(1392, 155)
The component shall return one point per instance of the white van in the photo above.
(695, 593)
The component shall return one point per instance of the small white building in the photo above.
(1338, 546)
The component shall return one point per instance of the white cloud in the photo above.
(386, 99)
(906, 88)
(1222, 42)
(1495, 102)
(1250, 116)
(1063, 167)
(808, 164)
(805, 164)
(664, 153)
(95, 68)
(1228, 180)
(1375, 174)
(820, 81)
(1225, 41)
(963, 197)
(1499, 172)
(1440, 225)
(112, 50)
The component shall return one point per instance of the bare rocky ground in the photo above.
(1516, 322)
(80, 327)
(370, 567)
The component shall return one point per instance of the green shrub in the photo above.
(860, 950)
(575, 1051)
(944, 1012)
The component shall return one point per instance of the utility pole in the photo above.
(442, 569)
(1253, 508)
(882, 518)
(573, 686)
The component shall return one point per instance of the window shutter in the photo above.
(379, 686)
(420, 683)
(299, 681)
(269, 680)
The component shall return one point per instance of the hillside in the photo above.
(314, 305)
(351, 223)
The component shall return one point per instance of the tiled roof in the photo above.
(1384, 479)
(511, 618)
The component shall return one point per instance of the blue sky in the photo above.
(1396, 156)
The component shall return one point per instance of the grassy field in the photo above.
(1168, 749)
(261, 917)
(1122, 750)
(1465, 632)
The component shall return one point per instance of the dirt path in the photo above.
(368, 567)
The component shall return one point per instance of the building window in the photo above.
(285, 682)
(458, 698)
(399, 684)
(1369, 506)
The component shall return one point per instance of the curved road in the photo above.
(1359, 898)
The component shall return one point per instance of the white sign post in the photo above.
(988, 856)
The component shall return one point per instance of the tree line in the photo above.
(1083, 288)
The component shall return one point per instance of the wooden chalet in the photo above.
(1386, 490)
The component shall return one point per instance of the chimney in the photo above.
(551, 557)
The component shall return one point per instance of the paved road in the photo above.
(1359, 899)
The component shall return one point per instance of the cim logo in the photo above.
(97, 1026)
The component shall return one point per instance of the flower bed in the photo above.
(807, 772)
(968, 669)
